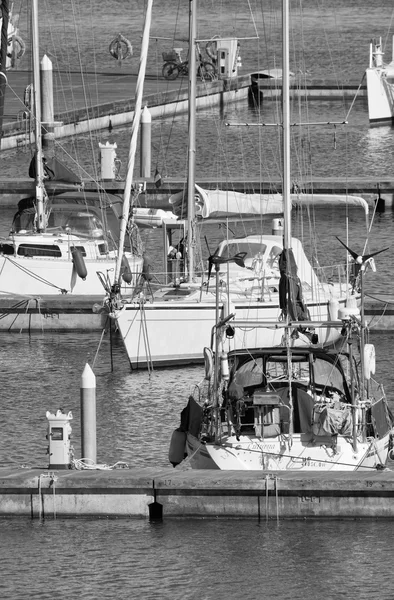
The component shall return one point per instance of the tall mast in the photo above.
(286, 125)
(4, 13)
(40, 190)
(134, 137)
(192, 137)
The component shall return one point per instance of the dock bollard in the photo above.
(88, 415)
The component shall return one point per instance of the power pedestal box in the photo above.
(108, 161)
(228, 58)
(59, 437)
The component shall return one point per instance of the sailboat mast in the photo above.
(134, 137)
(286, 125)
(192, 136)
(4, 14)
(40, 190)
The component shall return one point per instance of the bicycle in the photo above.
(175, 66)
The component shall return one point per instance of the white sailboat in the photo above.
(380, 84)
(61, 243)
(287, 408)
(169, 326)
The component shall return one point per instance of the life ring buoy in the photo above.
(211, 48)
(120, 48)
(208, 362)
(369, 360)
(19, 46)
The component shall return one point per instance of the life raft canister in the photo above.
(177, 451)
(127, 275)
(79, 263)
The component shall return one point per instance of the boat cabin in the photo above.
(262, 262)
(261, 402)
(73, 219)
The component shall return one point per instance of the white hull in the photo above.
(380, 90)
(380, 85)
(174, 333)
(304, 454)
(43, 276)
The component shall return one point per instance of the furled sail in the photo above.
(290, 291)
(213, 204)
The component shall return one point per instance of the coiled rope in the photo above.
(87, 464)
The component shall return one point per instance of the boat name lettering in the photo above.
(262, 447)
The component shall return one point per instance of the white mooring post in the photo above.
(47, 106)
(145, 144)
(88, 415)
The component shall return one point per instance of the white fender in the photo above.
(333, 308)
(208, 361)
(369, 360)
(224, 366)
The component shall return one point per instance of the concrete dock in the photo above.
(60, 313)
(111, 99)
(173, 493)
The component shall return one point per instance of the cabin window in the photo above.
(327, 374)
(250, 373)
(7, 249)
(251, 250)
(34, 250)
(84, 224)
(277, 369)
(103, 248)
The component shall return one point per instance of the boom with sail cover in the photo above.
(213, 204)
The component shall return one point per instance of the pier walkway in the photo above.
(169, 493)
(110, 100)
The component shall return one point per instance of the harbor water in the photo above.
(182, 559)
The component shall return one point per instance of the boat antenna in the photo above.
(286, 126)
(4, 14)
(41, 194)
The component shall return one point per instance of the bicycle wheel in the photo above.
(207, 71)
(170, 70)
